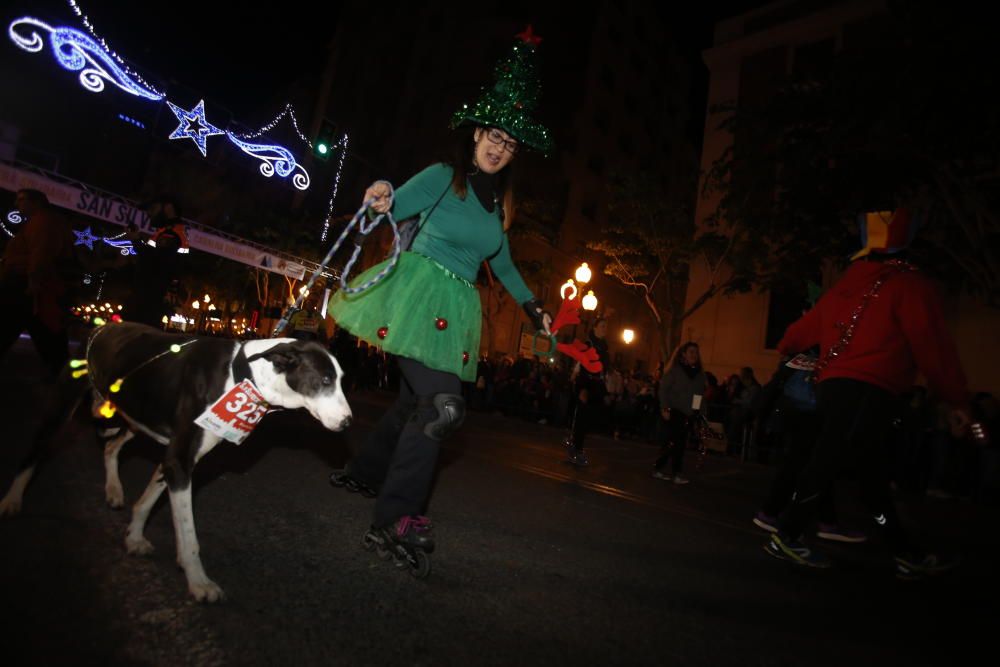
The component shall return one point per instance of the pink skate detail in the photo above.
(418, 523)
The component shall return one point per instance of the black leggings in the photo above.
(855, 418)
(675, 442)
(19, 315)
(799, 435)
(398, 458)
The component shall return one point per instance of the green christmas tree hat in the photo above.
(513, 98)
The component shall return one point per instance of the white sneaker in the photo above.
(681, 480)
(659, 475)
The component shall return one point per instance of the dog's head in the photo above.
(300, 374)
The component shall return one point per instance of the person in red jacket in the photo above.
(35, 280)
(877, 327)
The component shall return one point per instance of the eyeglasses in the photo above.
(496, 138)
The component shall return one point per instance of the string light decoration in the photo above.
(342, 147)
(14, 218)
(88, 238)
(77, 52)
(289, 111)
(193, 125)
(274, 160)
(98, 64)
(104, 45)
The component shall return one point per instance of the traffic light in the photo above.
(325, 140)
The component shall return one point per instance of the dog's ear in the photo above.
(285, 357)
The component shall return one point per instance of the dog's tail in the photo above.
(69, 390)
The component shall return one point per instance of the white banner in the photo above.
(122, 213)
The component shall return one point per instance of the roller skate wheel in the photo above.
(422, 567)
(368, 542)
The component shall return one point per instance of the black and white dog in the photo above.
(160, 384)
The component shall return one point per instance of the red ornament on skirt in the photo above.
(382, 331)
(441, 324)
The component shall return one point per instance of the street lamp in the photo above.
(569, 285)
(628, 336)
(207, 298)
(196, 304)
(589, 302)
(582, 274)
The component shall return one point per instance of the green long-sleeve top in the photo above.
(461, 233)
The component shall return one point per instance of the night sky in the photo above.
(244, 60)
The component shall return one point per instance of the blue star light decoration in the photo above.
(86, 237)
(193, 125)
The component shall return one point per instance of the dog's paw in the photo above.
(138, 546)
(206, 590)
(10, 506)
(114, 497)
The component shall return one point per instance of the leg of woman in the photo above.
(680, 439)
(411, 468)
(372, 461)
(664, 436)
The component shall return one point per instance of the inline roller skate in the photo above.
(407, 541)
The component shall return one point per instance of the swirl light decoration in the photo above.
(77, 52)
(14, 218)
(274, 160)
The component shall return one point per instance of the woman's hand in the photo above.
(380, 194)
(665, 413)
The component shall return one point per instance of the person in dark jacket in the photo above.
(590, 392)
(681, 391)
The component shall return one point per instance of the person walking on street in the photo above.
(591, 389)
(681, 391)
(877, 327)
(427, 311)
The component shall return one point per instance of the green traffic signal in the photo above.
(325, 139)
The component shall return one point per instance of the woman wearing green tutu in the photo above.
(427, 310)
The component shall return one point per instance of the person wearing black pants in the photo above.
(877, 327)
(799, 428)
(590, 393)
(678, 432)
(855, 418)
(683, 380)
(398, 457)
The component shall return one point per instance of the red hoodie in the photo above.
(902, 331)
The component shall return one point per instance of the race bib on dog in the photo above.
(234, 416)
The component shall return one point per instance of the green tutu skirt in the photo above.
(420, 310)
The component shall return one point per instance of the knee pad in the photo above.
(450, 415)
